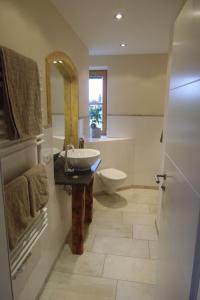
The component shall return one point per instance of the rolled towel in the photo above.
(17, 209)
(38, 188)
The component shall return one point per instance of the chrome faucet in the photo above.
(66, 166)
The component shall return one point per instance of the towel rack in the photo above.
(12, 165)
(22, 251)
(39, 142)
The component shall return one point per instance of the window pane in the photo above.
(95, 112)
(96, 100)
(95, 90)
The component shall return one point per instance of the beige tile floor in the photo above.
(119, 262)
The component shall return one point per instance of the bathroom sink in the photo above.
(81, 159)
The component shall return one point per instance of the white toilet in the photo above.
(111, 179)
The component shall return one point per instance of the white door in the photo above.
(179, 221)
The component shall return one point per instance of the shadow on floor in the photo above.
(111, 201)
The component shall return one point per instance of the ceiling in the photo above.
(145, 27)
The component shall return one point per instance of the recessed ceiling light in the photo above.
(55, 61)
(60, 61)
(123, 45)
(119, 16)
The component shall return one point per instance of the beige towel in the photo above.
(38, 188)
(22, 103)
(17, 209)
(11, 131)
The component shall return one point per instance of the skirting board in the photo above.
(153, 187)
(131, 187)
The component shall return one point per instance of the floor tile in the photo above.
(118, 246)
(134, 291)
(144, 232)
(136, 208)
(121, 246)
(129, 198)
(140, 219)
(128, 192)
(89, 241)
(152, 200)
(114, 230)
(75, 287)
(85, 264)
(153, 245)
(146, 192)
(118, 203)
(153, 209)
(130, 269)
(107, 217)
(105, 202)
(140, 195)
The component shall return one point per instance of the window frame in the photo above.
(102, 74)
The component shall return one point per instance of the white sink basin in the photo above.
(81, 159)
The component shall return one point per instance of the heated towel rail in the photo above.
(22, 251)
(15, 158)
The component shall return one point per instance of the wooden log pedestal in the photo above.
(82, 207)
(82, 199)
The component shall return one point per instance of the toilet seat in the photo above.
(113, 174)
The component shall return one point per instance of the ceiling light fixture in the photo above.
(119, 16)
(55, 61)
(123, 45)
(60, 61)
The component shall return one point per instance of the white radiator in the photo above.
(22, 251)
(16, 157)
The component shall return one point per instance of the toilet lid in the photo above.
(113, 174)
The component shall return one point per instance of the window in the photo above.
(98, 99)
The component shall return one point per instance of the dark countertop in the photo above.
(76, 178)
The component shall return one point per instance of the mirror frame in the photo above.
(71, 94)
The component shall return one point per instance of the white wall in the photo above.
(115, 153)
(136, 95)
(35, 29)
(136, 83)
(146, 132)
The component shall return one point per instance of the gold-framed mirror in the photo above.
(62, 96)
